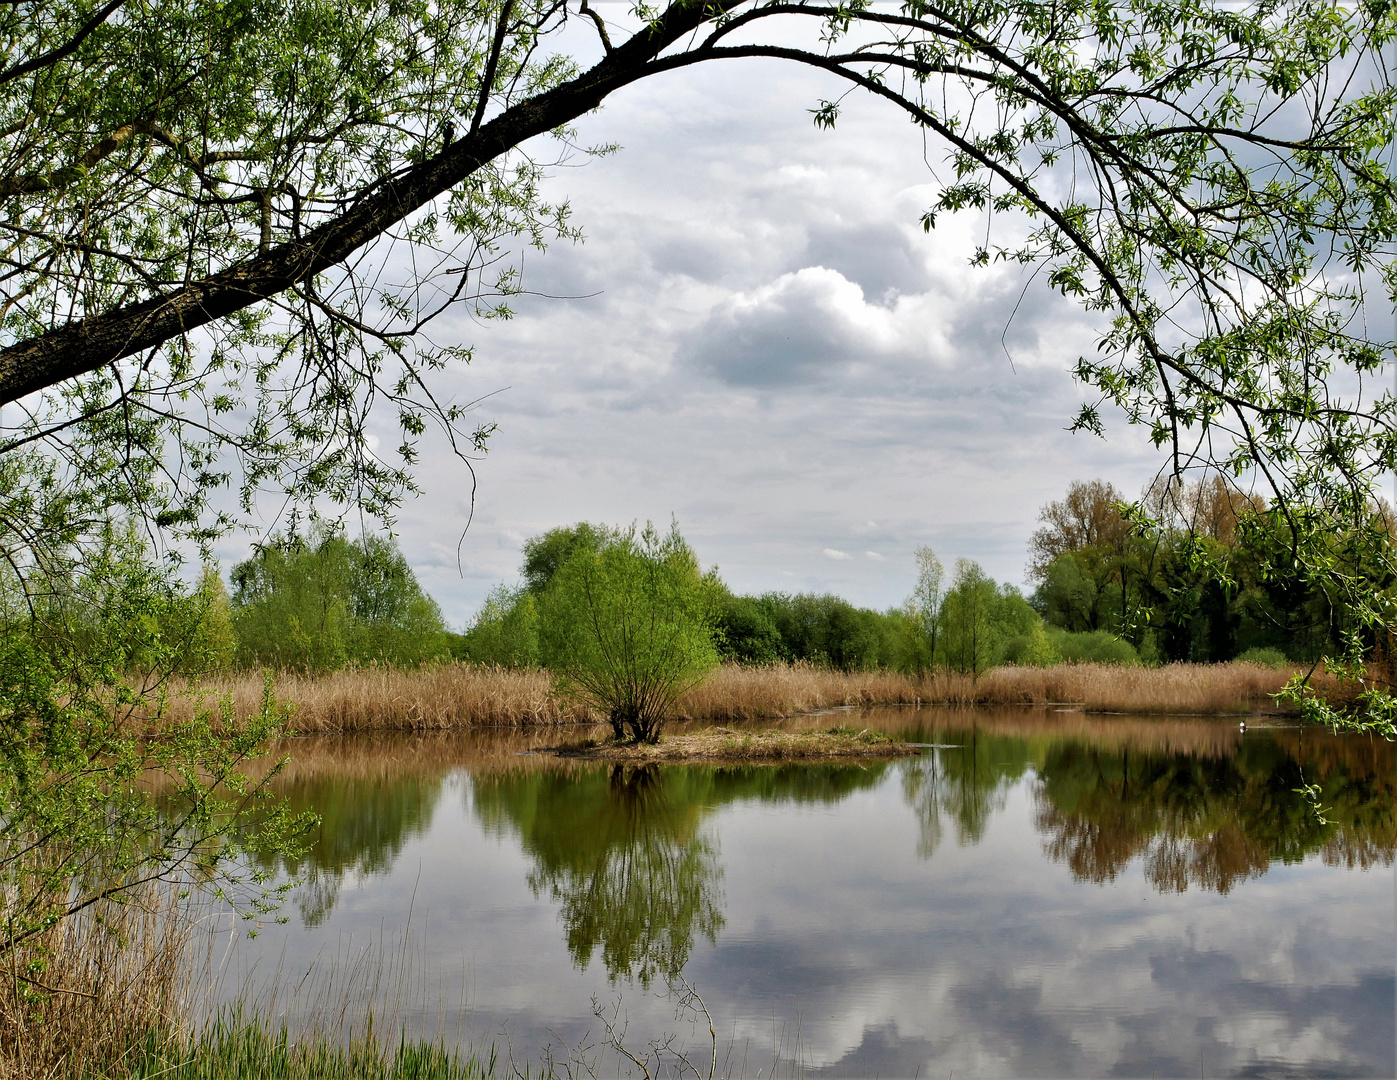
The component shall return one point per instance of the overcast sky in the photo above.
(767, 346)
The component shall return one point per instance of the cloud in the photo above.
(801, 327)
(875, 556)
(831, 553)
(766, 344)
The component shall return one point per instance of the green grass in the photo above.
(233, 1049)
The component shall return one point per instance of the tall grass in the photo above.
(1175, 688)
(110, 995)
(431, 697)
(79, 999)
(459, 696)
(236, 1048)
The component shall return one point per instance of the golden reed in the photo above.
(454, 696)
(77, 1000)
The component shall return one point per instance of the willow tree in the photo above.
(626, 628)
(199, 196)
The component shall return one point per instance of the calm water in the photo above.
(1037, 894)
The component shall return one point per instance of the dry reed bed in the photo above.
(454, 696)
(1175, 688)
(75, 1001)
(436, 697)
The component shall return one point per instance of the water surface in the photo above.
(1036, 894)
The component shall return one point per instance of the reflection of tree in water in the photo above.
(645, 895)
(364, 824)
(969, 784)
(624, 854)
(1207, 815)
(1213, 821)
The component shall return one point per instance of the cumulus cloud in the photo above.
(800, 327)
(831, 553)
(765, 343)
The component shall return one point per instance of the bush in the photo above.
(1093, 647)
(1265, 657)
(625, 628)
(1034, 649)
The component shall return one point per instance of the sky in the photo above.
(758, 339)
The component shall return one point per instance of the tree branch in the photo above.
(53, 56)
(92, 342)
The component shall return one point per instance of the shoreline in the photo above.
(728, 745)
(460, 696)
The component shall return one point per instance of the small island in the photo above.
(724, 744)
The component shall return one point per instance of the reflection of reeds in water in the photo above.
(464, 696)
(1195, 736)
(369, 756)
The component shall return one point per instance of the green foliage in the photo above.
(204, 626)
(1266, 657)
(1034, 649)
(626, 627)
(1092, 647)
(1205, 572)
(980, 619)
(505, 631)
(1067, 597)
(830, 632)
(968, 641)
(544, 555)
(316, 604)
(81, 677)
(236, 1047)
(922, 614)
(745, 631)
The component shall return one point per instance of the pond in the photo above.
(1039, 893)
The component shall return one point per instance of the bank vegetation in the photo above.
(460, 695)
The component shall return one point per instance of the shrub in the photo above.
(1034, 649)
(1266, 657)
(1093, 647)
(625, 628)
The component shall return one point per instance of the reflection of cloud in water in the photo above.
(1011, 906)
(1086, 988)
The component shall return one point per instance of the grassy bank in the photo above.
(454, 696)
(726, 745)
(236, 1049)
(109, 995)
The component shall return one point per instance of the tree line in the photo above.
(1191, 578)
(963, 621)
(1201, 571)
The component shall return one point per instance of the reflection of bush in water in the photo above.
(1213, 822)
(624, 854)
(364, 825)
